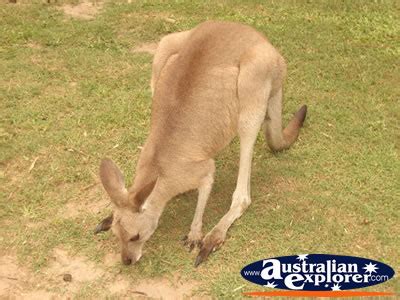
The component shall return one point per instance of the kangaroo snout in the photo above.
(126, 260)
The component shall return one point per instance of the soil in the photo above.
(18, 282)
(86, 10)
(150, 48)
(78, 267)
(92, 199)
(165, 289)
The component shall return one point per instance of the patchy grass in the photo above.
(73, 91)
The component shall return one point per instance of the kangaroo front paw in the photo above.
(211, 242)
(193, 239)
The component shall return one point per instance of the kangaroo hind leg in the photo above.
(253, 90)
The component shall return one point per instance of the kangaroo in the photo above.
(209, 84)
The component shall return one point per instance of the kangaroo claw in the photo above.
(211, 243)
(191, 244)
(202, 256)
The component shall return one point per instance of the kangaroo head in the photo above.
(132, 227)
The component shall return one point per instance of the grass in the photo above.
(72, 91)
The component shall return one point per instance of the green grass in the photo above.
(72, 90)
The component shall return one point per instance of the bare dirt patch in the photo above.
(15, 172)
(86, 10)
(18, 282)
(150, 48)
(39, 295)
(15, 281)
(119, 286)
(157, 288)
(80, 268)
(112, 259)
(165, 289)
(91, 200)
(11, 276)
(34, 45)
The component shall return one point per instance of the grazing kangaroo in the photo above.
(209, 84)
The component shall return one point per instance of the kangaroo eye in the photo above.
(134, 238)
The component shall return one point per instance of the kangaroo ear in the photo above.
(113, 182)
(104, 225)
(141, 196)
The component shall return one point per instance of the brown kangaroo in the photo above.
(209, 84)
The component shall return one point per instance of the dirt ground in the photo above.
(53, 283)
(86, 10)
(146, 47)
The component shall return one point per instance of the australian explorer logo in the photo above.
(317, 272)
